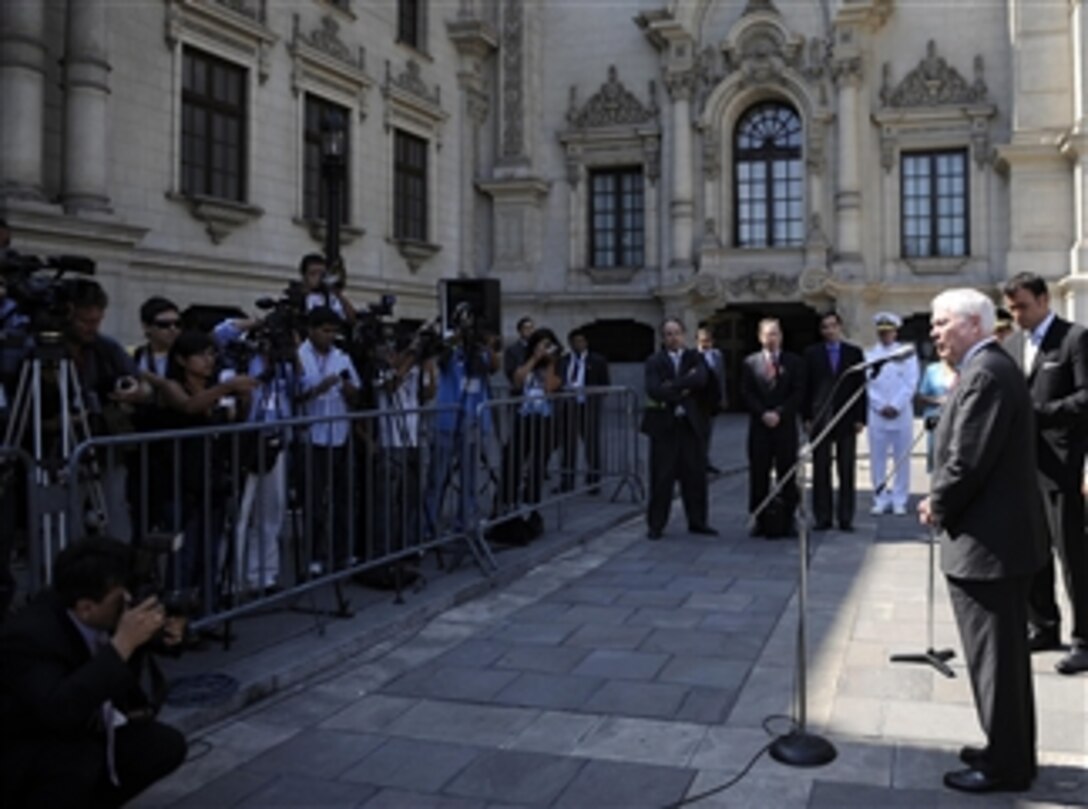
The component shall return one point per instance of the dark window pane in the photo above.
(769, 191)
(410, 187)
(934, 204)
(213, 126)
(616, 218)
(315, 180)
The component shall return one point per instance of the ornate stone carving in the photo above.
(934, 83)
(762, 284)
(681, 86)
(759, 5)
(712, 165)
(411, 81)
(651, 150)
(248, 8)
(478, 105)
(813, 280)
(327, 40)
(814, 153)
(513, 132)
(816, 236)
(764, 53)
(612, 105)
(849, 70)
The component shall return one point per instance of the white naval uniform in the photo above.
(890, 439)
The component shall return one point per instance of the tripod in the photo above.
(938, 658)
(52, 442)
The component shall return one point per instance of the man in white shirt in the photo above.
(329, 386)
(891, 417)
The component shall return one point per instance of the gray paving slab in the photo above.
(556, 732)
(606, 636)
(618, 785)
(621, 664)
(412, 764)
(373, 713)
(708, 706)
(525, 632)
(318, 753)
(667, 617)
(453, 683)
(482, 725)
(535, 779)
(555, 691)
(226, 790)
(712, 672)
(629, 698)
(474, 652)
(539, 658)
(408, 799)
(296, 792)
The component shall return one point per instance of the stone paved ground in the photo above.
(629, 673)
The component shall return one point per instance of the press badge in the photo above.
(470, 385)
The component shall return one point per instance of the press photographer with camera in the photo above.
(266, 350)
(329, 387)
(195, 400)
(321, 288)
(76, 727)
(468, 359)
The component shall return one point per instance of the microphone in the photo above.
(899, 355)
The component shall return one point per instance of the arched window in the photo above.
(769, 177)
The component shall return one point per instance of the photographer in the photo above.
(406, 382)
(77, 729)
(329, 387)
(189, 390)
(271, 358)
(463, 391)
(107, 377)
(323, 289)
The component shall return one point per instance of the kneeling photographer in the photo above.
(77, 729)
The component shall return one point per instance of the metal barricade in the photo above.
(584, 442)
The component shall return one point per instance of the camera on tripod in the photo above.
(276, 336)
(43, 299)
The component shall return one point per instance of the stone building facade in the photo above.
(609, 162)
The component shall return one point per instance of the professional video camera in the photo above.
(146, 577)
(276, 335)
(41, 298)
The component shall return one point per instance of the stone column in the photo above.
(1077, 287)
(682, 205)
(22, 87)
(476, 112)
(848, 173)
(86, 107)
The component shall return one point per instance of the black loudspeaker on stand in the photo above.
(483, 295)
(938, 658)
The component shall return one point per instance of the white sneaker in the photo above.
(899, 511)
(878, 509)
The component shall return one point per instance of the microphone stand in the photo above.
(938, 658)
(799, 747)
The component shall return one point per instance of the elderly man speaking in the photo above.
(984, 501)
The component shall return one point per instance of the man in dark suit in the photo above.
(581, 418)
(771, 386)
(714, 401)
(1053, 354)
(76, 729)
(514, 355)
(675, 378)
(984, 502)
(826, 363)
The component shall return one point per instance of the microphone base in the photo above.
(801, 749)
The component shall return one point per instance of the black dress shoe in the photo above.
(973, 756)
(712, 469)
(846, 528)
(653, 534)
(976, 781)
(1073, 663)
(1044, 640)
(705, 530)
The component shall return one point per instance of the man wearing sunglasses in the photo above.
(162, 324)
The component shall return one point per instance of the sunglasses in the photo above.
(166, 324)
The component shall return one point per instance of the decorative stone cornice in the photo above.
(934, 83)
(680, 85)
(323, 59)
(238, 25)
(474, 38)
(220, 217)
(612, 105)
(409, 98)
(761, 285)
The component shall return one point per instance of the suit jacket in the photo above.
(820, 380)
(596, 371)
(1059, 391)
(716, 388)
(52, 689)
(783, 396)
(665, 390)
(983, 491)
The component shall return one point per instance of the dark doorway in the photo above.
(735, 328)
(620, 340)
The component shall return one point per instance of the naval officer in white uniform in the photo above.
(891, 415)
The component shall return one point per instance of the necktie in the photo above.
(833, 356)
(576, 370)
(772, 367)
(676, 362)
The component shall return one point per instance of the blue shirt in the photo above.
(468, 393)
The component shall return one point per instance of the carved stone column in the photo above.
(682, 204)
(22, 86)
(476, 41)
(848, 75)
(86, 107)
(1077, 292)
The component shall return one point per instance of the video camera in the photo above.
(42, 299)
(276, 336)
(146, 580)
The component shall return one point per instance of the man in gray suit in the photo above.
(984, 501)
(714, 398)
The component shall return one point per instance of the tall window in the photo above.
(409, 187)
(315, 185)
(769, 177)
(410, 22)
(213, 127)
(615, 216)
(934, 204)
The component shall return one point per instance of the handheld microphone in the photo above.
(899, 355)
